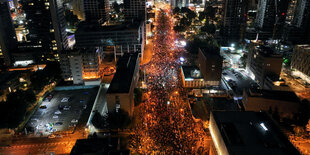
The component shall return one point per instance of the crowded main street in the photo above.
(165, 124)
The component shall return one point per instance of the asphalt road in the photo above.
(241, 81)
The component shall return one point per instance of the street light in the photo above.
(182, 59)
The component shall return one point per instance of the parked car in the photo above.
(74, 121)
(55, 116)
(43, 107)
(57, 112)
(58, 123)
(67, 107)
(65, 99)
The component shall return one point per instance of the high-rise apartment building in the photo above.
(96, 10)
(7, 32)
(81, 65)
(59, 24)
(270, 16)
(297, 29)
(135, 9)
(127, 37)
(46, 25)
(234, 20)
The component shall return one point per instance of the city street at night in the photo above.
(165, 106)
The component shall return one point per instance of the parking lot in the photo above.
(61, 111)
(238, 81)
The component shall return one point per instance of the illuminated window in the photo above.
(51, 30)
(54, 48)
(30, 3)
(47, 3)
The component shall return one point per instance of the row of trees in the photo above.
(48, 75)
(114, 120)
(13, 111)
(188, 19)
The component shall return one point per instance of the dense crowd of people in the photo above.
(165, 122)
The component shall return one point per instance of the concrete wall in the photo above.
(286, 109)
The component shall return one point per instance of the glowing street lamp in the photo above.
(182, 59)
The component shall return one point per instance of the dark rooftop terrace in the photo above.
(122, 79)
(254, 133)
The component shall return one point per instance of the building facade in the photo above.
(120, 94)
(271, 16)
(285, 103)
(7, 33)
(297, 24)
(124, 38)
(97, 10)
(59, 24)
(300, 62)
(81, 65)
(263, 62)
(46, 25)
(135, 9)
(210, 64)
(234, 20)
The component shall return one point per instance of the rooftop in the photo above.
(191, 72)
(253, 133)
(211, 52)
(125, 69)
(107, 145)
(90, 27)
(5, 77)
(267, 51)
(274, 95)
(305, 48)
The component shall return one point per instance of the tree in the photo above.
(49, 74)
(210, 12)
(243, 59)
(113, 120)
(209, 44)
(72, 19)
(191, 15)
(185, 22)
(185, 10)
(14, 109)
(308, 126)
(209, 28)
(138, 96)
(202, 15)
(179, 28)
(176, 10)
(116, 7)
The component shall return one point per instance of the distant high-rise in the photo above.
(96, 10)
(135, 9)
(297, 29)
(59, 24)
(7, 32)
(46, 25)
(234, 20)
(271, 15)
